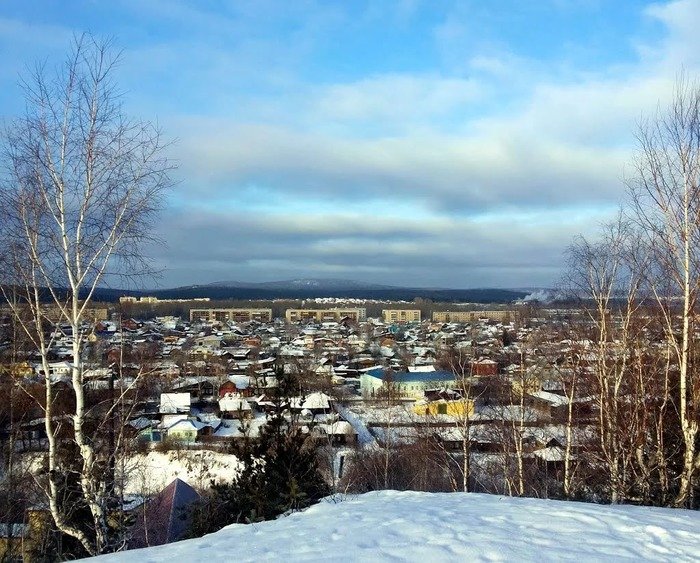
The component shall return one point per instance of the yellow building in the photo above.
(17, 369)
(239, 315)
(357, 314)
(458, 408)
(90, 314)
(26, 541)
(401, 315)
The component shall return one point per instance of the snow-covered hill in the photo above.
(410, 526)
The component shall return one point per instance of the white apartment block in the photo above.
(238, 315)
(357, 314)
(471, 316)
(401, 315)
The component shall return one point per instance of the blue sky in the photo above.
(427, 143)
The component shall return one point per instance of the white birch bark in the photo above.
(86, 184)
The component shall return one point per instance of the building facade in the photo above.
(401, 315)
(357, 314)
(411, 385)
(471, 316)
(237, 315)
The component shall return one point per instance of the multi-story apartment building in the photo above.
(239, 315)
(401, 315)
(357, 314)
(470, 316)
(152, 300)
(90, 314)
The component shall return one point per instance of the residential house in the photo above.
(234, 406)
(182, 430)
(314, 403)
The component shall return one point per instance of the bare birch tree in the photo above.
(665, 194)
(83, 187)
(605, 275)
(459, 362)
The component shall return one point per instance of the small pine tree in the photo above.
(279, 473)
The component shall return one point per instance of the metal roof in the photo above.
(407, 377)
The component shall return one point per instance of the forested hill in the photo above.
(218, 292)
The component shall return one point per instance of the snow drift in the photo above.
(411, 526)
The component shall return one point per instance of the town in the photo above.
(470, 399)
(357, 281)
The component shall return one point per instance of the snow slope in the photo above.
(426, 527)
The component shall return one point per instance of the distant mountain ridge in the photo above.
(306, 288)
(304, 283)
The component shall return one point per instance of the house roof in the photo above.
(141, 422)
(551, 398)
(232, 403)
(163, 519)
(551, 453)
(312, 401)
(421, 369)
(341, 427)
(171, 403)
(485, 361)
(185, 423)
(240, 381)
(419, 377)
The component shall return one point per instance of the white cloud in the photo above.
(497, 169)
(681, 46)
(484, 166)
(397, 97)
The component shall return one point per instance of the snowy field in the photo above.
(148, 474)
(427, 527)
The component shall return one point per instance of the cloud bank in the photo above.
(439, 144)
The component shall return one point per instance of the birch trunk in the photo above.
(86, 185)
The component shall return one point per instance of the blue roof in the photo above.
(419, 376)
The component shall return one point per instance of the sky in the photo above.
(424, 143)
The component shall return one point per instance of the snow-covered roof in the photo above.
(239, 380)
(552, 453)
(140, 423)
(171, 403)
(421, 368)
(231, 402)
(234, 428)
(313, 401)
(551, 398)
(182, 424)
(340, 427)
